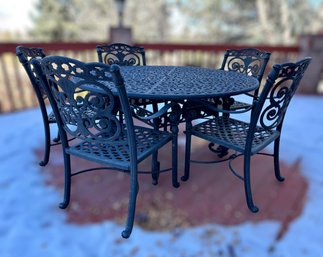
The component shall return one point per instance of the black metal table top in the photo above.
(184, 82)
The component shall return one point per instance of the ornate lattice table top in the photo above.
(184, 82)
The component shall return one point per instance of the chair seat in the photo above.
(116, 153)
(232, 134)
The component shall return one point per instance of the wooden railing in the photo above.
(16, 91)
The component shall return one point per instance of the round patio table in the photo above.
(179, 84)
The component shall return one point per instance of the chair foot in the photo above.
(63, 205)
(131, 209)
(253, 209)
(43, 163)
(56, 139)
(184, 178)
(45, 160)
(223, 152)
(126, 233)
(176, 184)
(280, 178)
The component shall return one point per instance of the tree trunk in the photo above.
(262, 9)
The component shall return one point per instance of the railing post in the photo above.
(312, 45)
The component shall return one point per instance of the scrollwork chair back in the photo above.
(281, 85)
(87, 115)
(250, 61)
(121, 54)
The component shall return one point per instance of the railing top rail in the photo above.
(78, 46)
(218, 47)
(49, 46)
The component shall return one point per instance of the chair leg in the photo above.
(276, 160)
(247, 184)
(155, 163)
(134, 188)
(174, 129)
(47, 137)
(57, 138)
(186, 175)
(67, 181)
(155, 168)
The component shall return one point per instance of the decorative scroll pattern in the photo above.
(250, 61)
(122, 54)
(87, 115)
(281, 91)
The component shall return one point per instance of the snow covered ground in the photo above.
(31, 225)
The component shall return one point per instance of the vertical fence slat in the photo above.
(22, 94)
(12, 104)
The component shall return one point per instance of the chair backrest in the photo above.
(25, 56)
(281, 84)
(83, 102)
(121, 54)
(250, 61)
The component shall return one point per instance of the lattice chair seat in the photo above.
(263, 127)
(117, 152)
(233, 134)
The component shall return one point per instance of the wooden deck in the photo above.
(212, 195)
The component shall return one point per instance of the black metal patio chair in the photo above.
(25, 56)
(250, 61)
(125, 55)
(264, 127)
(83, 98)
